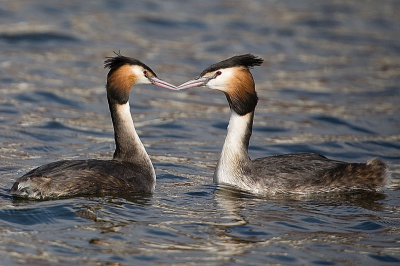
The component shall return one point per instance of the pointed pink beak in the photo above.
(199, 82)
(161, 83)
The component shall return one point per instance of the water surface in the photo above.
(329, 84)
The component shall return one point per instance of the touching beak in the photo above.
(194, 83)
(161, 83)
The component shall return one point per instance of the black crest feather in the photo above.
(245, 60)
(113, 63)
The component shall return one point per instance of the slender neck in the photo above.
(129, 148)
(234, 162)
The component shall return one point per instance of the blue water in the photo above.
(329, 84)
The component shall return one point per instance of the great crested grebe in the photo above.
(130, 170)
(288, 173)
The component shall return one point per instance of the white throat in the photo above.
(234, 162)
(124, 114)
(129, 146)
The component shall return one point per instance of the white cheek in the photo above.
(143, 80)
(221, 82)
(216, 84)
(138, 72)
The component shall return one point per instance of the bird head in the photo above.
(233, 77)
(126, 72)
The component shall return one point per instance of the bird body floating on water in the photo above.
(130, 170)
(301, 173)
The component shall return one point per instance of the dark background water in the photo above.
(330, 84)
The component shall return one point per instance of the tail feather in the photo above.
(371, 175)
(380, 169)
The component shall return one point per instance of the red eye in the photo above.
(145, 72)
(218, 73)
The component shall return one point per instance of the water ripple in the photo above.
(40, 37)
